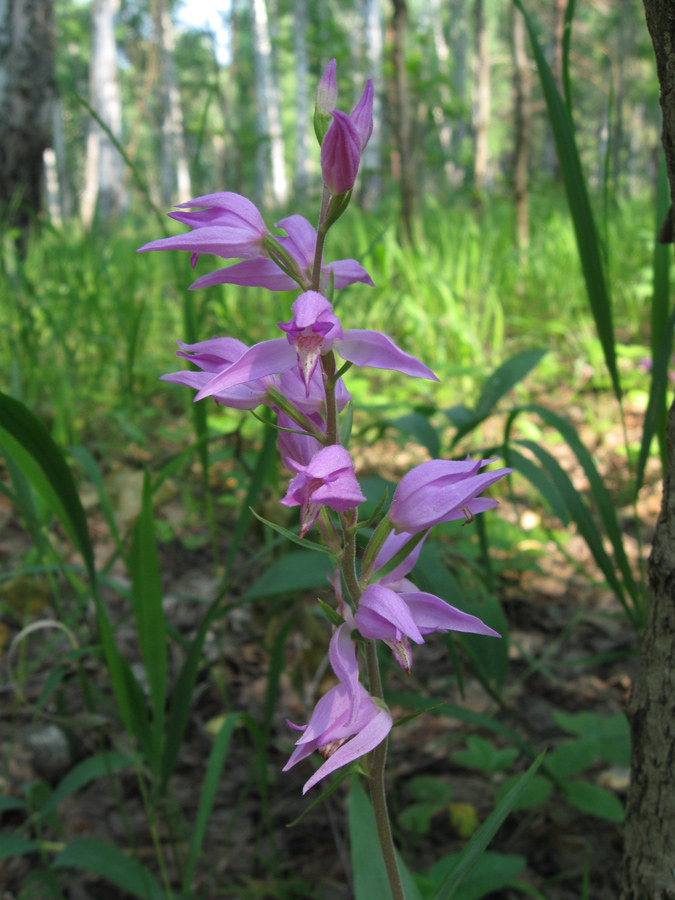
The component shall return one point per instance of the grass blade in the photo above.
(112, 864)
(370, 876)
(588, 242)
(208, 794)
(146, 598)
(473, 850)
(45, 467)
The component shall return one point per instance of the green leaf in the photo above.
(41, 460)
(93, 473)
(332, 615)
(497, 870)
(588, 243)
(417, 426)
(346, 424)
(655, 414)
(84, 773)
(146, 594)
(474, 849)
(292, 536)
(370, 875)
(572, 757)
(289, 574)
(538, 479)
(581, 515)
(603, 500)
(498, 384)
(536, 792)
(13, 845)
(111, 864)
(208, 794)
(483, 755)
(593, 799)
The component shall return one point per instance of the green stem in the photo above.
(320, 241)
(328, 371)
(377, 787)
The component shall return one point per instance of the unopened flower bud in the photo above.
(326, 100)
(362, 115)
(340, 154)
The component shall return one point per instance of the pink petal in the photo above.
(343, 660)
(346, 272)
(266, 358)
(372, 348)
(389, 608)
(301, 241)
(390, 548)
(372, 735)
(259, 272)
(231, 202)
(433, 614)
(216, 239)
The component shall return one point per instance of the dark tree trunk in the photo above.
(26, 95)
(523, 122)
(649, 855)
(400, 26)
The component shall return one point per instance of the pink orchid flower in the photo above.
(442, 490)
(265, 273)
(314, 331)
(327, 480)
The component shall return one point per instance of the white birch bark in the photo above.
(104, 169)
(459, 44)
(271, 157)
(481, 108)
(371, 161)
(439, 109)
(302, 118)
(174, 170)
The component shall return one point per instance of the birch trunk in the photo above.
(302, 101)
(371, 160)
(26, 91)
(649, 852)
(174, 170)
(272, 186)
(459, 44)
(400, 26)
(522, 83)
(481, 106)
(104, 169)
(439, 111)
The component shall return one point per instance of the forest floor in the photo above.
(571, 650)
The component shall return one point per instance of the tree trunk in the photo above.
(104, 168)
(175, 181)
(26, 92)
(302, 101)
(371, 161)
(440, 110)
(400, 26)
(649, 853)
(481, 107)
(459, 43)
(523, 123)
(271, 148)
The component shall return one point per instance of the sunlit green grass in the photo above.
(89, 324)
